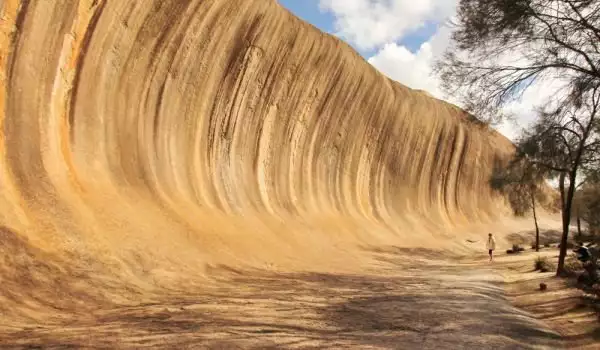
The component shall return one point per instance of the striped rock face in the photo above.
(153, 140)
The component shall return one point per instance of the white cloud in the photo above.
(382, 24)
(524, 110)
(414, 70)
(369, 24)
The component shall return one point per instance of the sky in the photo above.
(402, 39)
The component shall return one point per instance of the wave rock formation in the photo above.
(154, 140)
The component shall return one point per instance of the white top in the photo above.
(491, 243)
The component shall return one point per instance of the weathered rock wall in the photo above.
(159, 136)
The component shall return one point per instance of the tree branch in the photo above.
(583, 20)
(567, 46)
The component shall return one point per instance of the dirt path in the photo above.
(430, 306)
(564, 307)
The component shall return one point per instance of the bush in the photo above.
(572, 265)
(542, 264)
(533, 246)
(517, 248)
(547, 245)
(509, 251)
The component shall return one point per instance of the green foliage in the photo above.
(519, 180)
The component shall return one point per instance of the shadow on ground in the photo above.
(428, 307)
(563, 305)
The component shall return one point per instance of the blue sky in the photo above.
(403, 39)
(310, 11)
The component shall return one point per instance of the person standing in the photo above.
(491, 246)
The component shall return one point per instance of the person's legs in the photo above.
(491, 255)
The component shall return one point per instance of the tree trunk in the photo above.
(568, 201)
(561, 187)
(579, 225)
(567, 204)
(537, 228)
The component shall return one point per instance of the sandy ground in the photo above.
(564, 307)
(450, 304)
(142, 141)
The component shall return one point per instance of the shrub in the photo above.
(533, 246)
(509, 251)
(572, 265)
(547, 245)
(517, 248)
(542, 264)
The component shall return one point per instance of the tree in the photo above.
(591, 215)
(501, 48)
(532, 193)
(589, 205)
(565, 143)
(522, 182)
(586, 201)
(578, 210)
